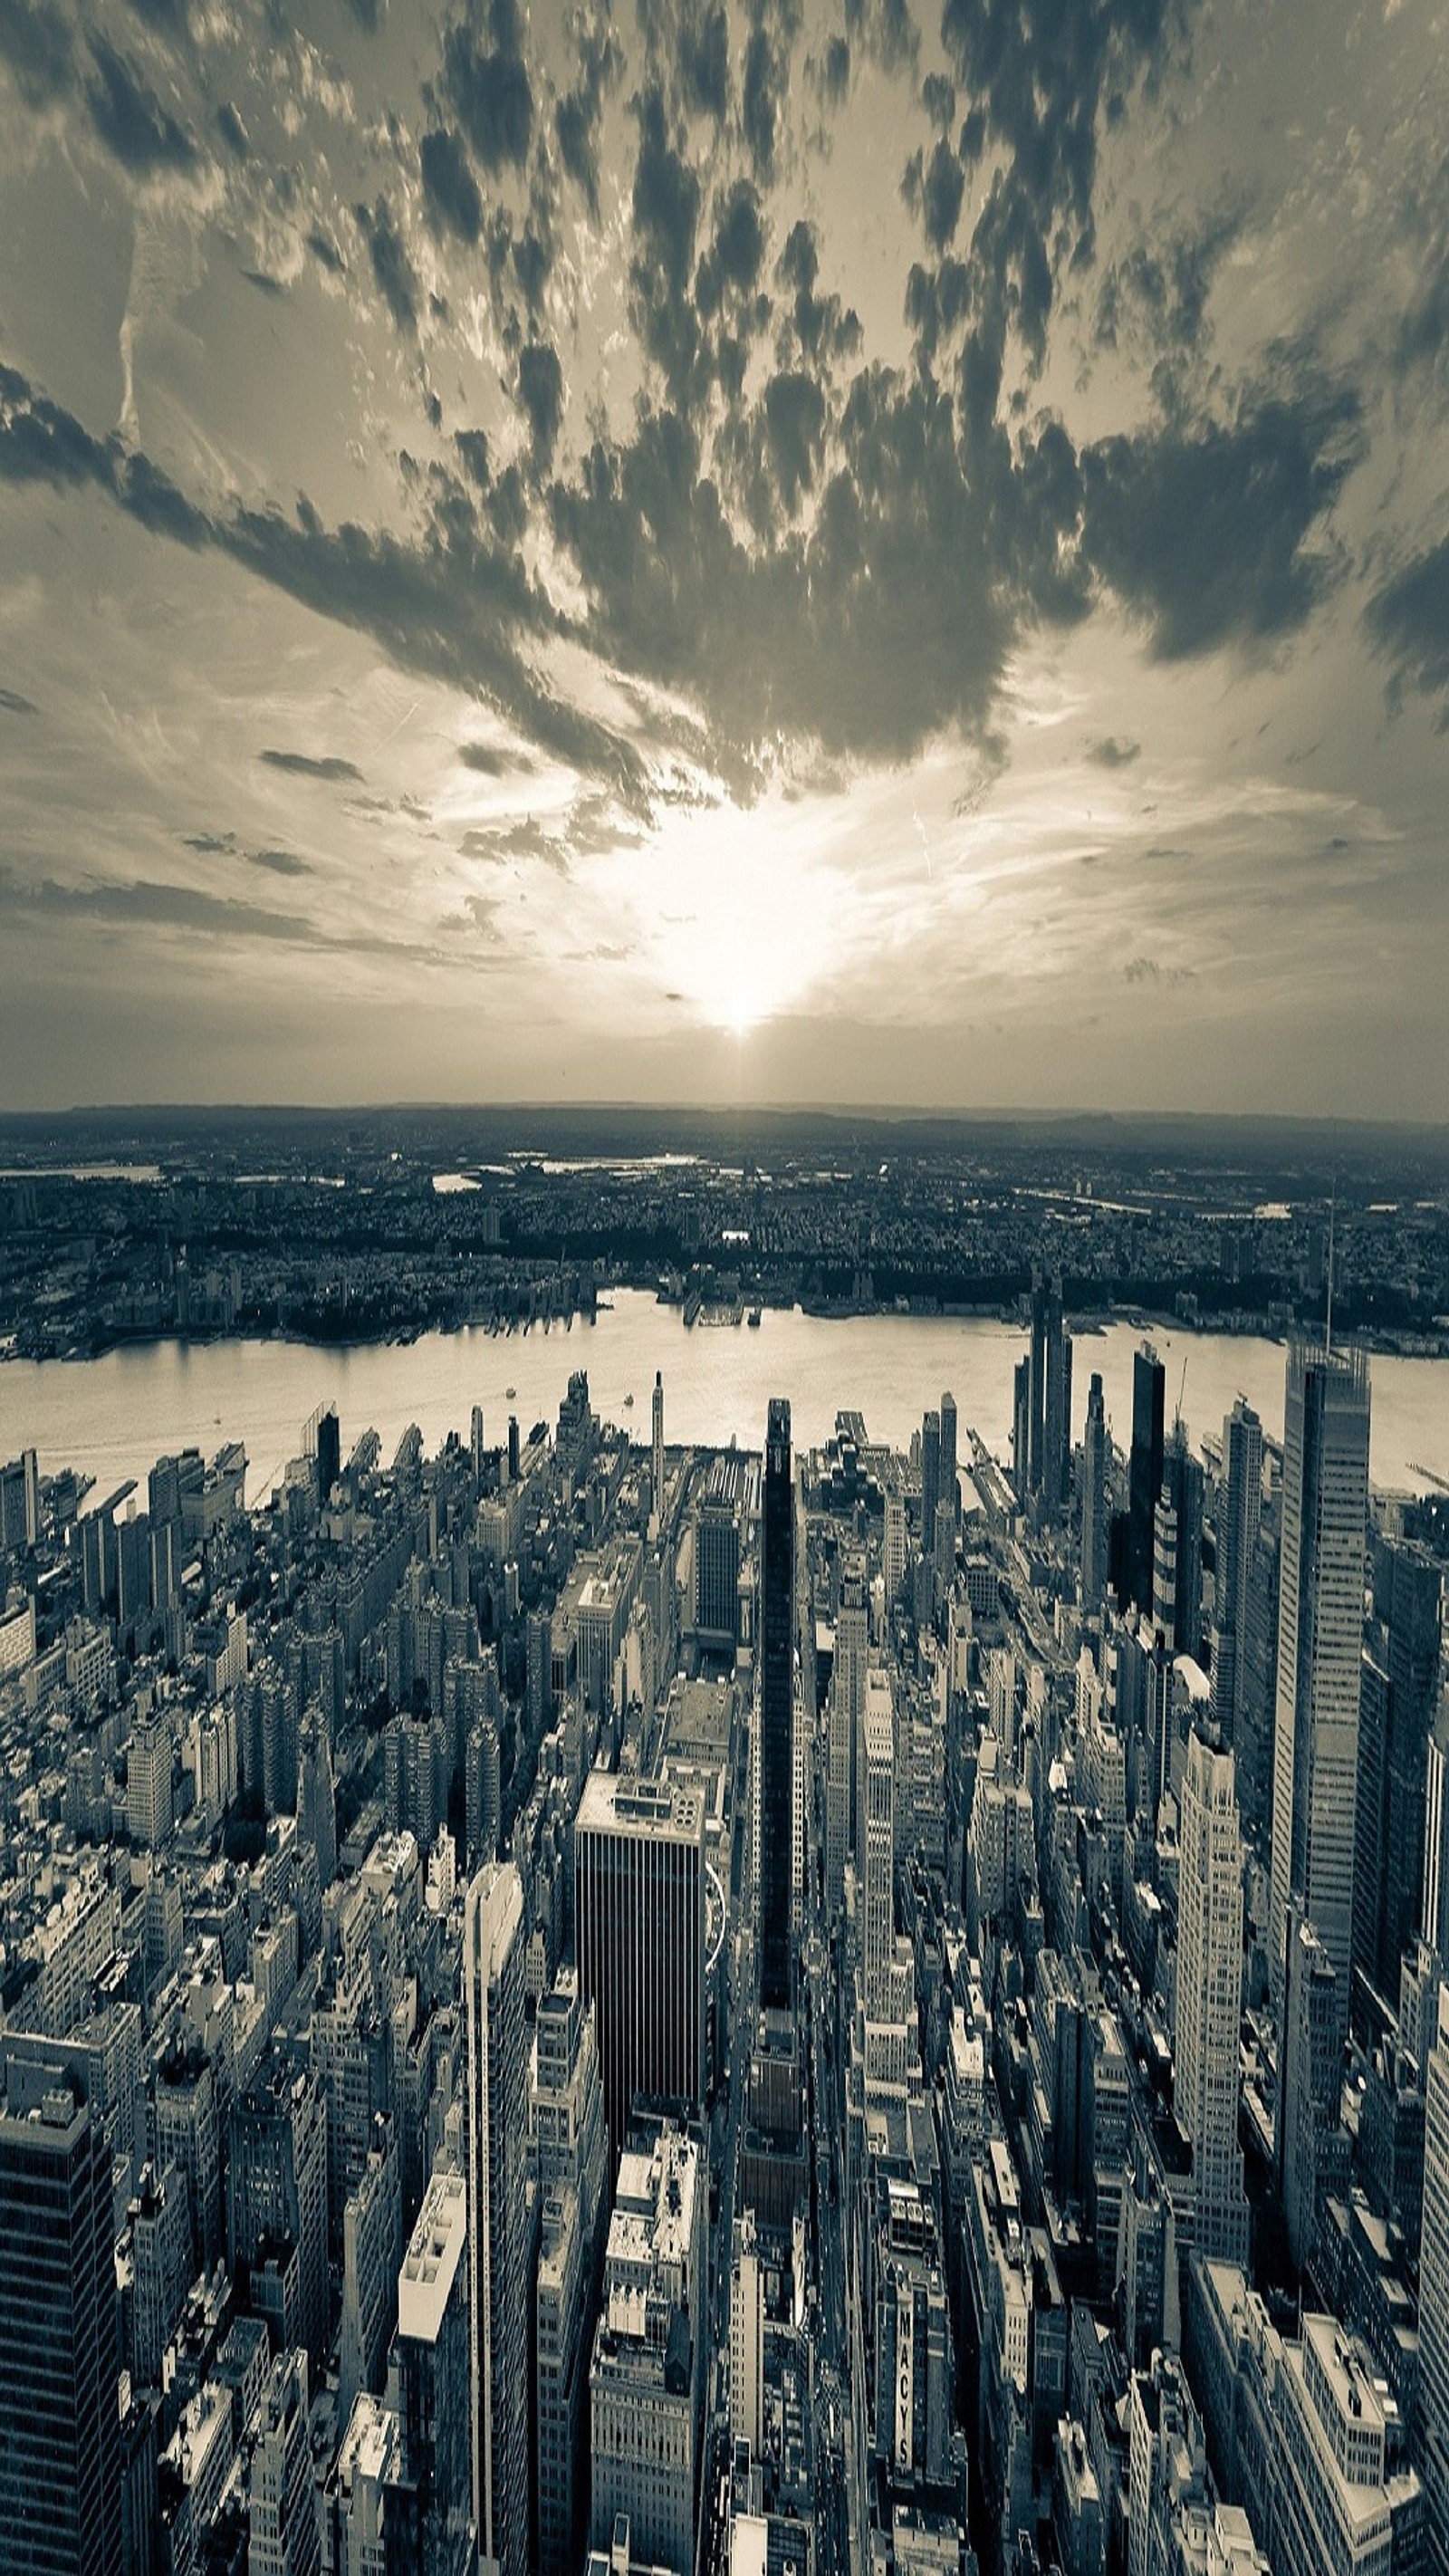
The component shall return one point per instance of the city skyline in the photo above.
(851, 553)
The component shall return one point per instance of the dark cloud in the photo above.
(1155, 297)
(795, 422)
(129, 117)
(579, 111)
(835, 71)
(666, 216)
(324, 248)
(449, 185)
(737, 252)
(938, 98)
(486, 79)
(369, 14)
(472, 447)
(12, 704)
(933, 189)
(1114, 753)
(540, 391)
(1208, 533)
(37, 43)
(528, 839)
(157, 907)
(212, 845)
(306, 764)
(460, 607)
(391, 267)
(762, 98)
(1408, 622)
(232, 131)
(485, 759)
(281, 863)
(264, 284)
(885, 30)
(704, 62)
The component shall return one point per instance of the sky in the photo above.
(840, 551)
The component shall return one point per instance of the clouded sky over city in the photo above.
(844, 551)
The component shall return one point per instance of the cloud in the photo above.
(281, 863)
(391, 267)
(449, 185)
(324, 248)
(1213, 533)
(370, 14)
(540, 391)
(306, 764)
(579, 112)
(1114, 753)
(704, 62)
(486, 79)
(885, 30)
(129, 117)
(766, 73)
(666, 217)
(156, 906)
(36, 42)
(232, 131)
(12, 704)
(1408, 622)
(211, 845)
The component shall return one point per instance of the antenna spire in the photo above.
(1328, 1309)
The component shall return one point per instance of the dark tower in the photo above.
(329, 1452)
(775, 1820)
(930, 1479)
(60, 2459)
(1144, 1472)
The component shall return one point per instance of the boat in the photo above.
(628, 1400)
(753, 1319)
(509, 1393)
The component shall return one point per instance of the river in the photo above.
(113, 1416)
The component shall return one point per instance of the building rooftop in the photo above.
(431, 2262)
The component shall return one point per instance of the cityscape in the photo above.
(724, 1288)
(581, 2003)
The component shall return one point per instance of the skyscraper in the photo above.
(878, 1946)
(1209, 1997)
(1320, 1627)
(1021, 1429)
(498, 2247)
(1397, 1705)
(430, 2381)
(1144, 1471)
(847, 1701)
(60, 2450)
(1183, 1484)
(657, 1477)
(947, 1494)
(1434, 2304)
(1240, 1510)
(930, 1480)
(1094, 1500)
(774, 1820)
(1056, 1480)
(639, 1935)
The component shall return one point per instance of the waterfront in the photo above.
(114, 1415)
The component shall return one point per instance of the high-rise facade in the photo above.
(60, 2450)
(878, 1946)
(1183, 1484)
(1433, 2426)
(1049, 1395)
(930, 1480)
(1094, 1500)
(430, 2513)
(1398, 1701)
(1144, 1472)
(498, 2215)
(847, 1716)
(1320, 1628)
(774, 1816)
(657, 1455)
(948, 1497)
(1209, 1997)
(639, 1934)
(1240, 1511)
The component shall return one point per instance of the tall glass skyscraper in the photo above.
(1320, 1634)
(60, 2456)
(1144, 1471)
(498, 2247)
(774, 1823)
